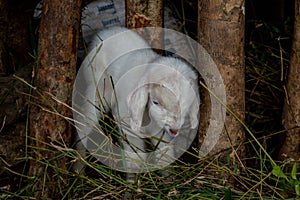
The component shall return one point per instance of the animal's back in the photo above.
(124, 56)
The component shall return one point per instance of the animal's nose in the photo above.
(173, 131)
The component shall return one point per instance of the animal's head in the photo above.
(170, 93)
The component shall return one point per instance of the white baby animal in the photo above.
(149, 96)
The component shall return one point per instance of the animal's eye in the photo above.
(155, 102)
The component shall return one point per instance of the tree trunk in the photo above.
(221, 33)
(55, 74)
(140, 13)
(291, 109)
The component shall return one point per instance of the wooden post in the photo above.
(49, 130)
(291, 109)
(141, 13)
(221, 33)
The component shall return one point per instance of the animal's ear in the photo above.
(136, 103)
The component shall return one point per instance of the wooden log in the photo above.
(54, 77)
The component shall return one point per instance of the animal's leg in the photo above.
(164, 154)
(78, 166)
(134, 151)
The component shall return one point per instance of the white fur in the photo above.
(150, 94)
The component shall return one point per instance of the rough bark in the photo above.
(55, 74)
(221, 33)
(291, 110)
(141, 13)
